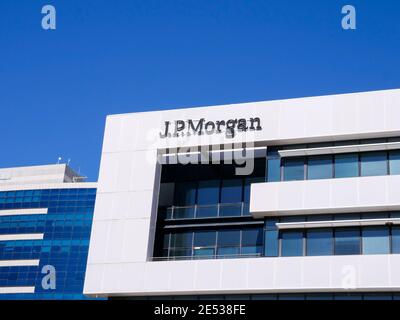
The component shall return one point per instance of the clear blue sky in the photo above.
(117, 56)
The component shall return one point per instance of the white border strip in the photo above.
(25, 236)
(9, 290)
(337, 223)
(340, 149)
(45, 186)
(22, 212)
(19, 263)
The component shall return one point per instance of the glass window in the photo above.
(271, 244)
(229, 238)
(373, 164)
(293, 169)
(231, 198)
(166, 241)
(208, 192)
(207, 211)
(348, 296)
(252, 237)
(347, 216)
(204, 252)
(346, 165)
(204, 238)
(373, 141)
(274, 170)
(396, 240)
(375, 240)
(252, 250)
(320, 167)
(264, 297)
(394, 162)
(182, 240)
(227, 252)
(180, 252)
(230, 210)
(319, 296)
(320, 242)
(347, 241)
(292, 296)
(377, 296)
(375, 215)
(185, 193)
(231, 191)
(320, 217)
(181, 213)
(290, 219)
(291, 243)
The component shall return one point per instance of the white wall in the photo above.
(259, 275)
(363, 194)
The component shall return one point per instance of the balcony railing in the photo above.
(221, 210)
(210, 257)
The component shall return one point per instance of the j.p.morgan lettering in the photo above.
(181, 128)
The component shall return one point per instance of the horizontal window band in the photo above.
(339, 149)
(12, 290)
(23, 212)
(226, 224)
(337, 223)
(19, 263)
(21, 236)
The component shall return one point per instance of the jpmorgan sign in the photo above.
(181, 128)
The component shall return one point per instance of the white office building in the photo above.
(283, 199)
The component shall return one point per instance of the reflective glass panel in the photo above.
(293, 169)
(204, 238)
(346, 165)
(228, 252)
(396, 239)
(208, 192)
(394, 162)
(291, 243)
(231, 191)
(271, 244)
(274, 170)
(320, 167)
(319, 242)
(374, 164)
(375, 240)
(228, 238)
(252, 237)
(204, 253)
(185, 193)
(347, 241)
(182, 240)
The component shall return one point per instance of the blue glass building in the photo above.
(44, 238)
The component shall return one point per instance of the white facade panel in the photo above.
(260, 275)
(14, 290)
(23, 212)
(363, 194)
(19, 263)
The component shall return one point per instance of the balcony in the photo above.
(229, 210)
